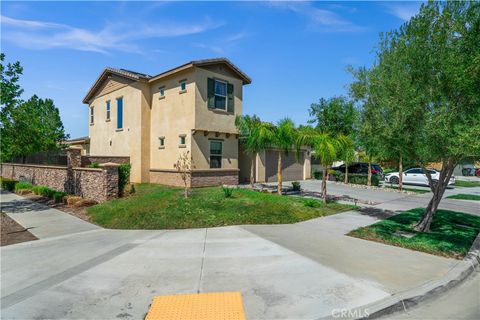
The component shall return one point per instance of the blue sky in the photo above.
(295, 52)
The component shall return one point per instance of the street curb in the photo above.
(407, 299)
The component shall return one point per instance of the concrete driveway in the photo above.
(299, 271)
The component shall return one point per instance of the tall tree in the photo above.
(255, 136)
(285, 137)
(335, 115)
(436, 56)
(26, 126)
(34, 126)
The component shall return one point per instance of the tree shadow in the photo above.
(21, 206)
(377, 212)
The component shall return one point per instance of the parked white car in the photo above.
(416, 176)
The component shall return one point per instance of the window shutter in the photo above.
(230, 105)
(211, 93)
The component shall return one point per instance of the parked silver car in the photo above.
(416, 176)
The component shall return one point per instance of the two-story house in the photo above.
(154, 119)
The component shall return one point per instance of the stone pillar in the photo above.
(74, 157)
(110, 180)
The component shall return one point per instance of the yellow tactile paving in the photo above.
(201, 306)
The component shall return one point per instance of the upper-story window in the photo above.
(108, 110)
(92, 114)
(161, 142)
(120, 113)
(220, 95)
(161, 91)
(183, 86)
(182, 140)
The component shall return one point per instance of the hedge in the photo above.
(356, 178)
(8, 184)
(123, 177)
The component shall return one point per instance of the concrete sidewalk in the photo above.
(42, 221)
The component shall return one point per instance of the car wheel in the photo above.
(394, 180)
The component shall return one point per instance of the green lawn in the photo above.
(452, 233)
(467, 184)
(463, 196)
(159, 207)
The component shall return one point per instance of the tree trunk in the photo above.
(279, 173)
(324, 185)
(252, 171)
(400, 174)
(369, 181)
(346, 173)
(438, 190)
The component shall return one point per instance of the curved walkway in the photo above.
(299, 271)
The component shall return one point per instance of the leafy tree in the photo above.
(255, 136)
(284, 138)
(34, 126)
(347, 154)
(435, 62)
(334, 115)
(26, 126)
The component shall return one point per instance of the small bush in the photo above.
(123, 177)
(318, 175)
(94, 165)
(132, 189)
(8, 184)
(312, 203)
(296, 186)
(22, 185)
(227, 192)
(58, 196)
(85, 203)
(47, 192)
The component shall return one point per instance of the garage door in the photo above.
(292, 169)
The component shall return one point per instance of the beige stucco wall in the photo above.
(106, 140)
(210, 119)
(171, 117)
(201, 150)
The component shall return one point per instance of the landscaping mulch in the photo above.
(12, 232)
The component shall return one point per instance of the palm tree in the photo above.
(255, 136)
(285, 138)
(327, 148)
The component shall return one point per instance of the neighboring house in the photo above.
(83, 142)
(154, 119)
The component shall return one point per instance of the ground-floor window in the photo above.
(215, 154)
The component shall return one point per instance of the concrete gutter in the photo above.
(405, 300)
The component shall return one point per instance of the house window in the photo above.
(215, 154)
(91, 114)
(161, 90)
(119, 113)
(108, 110)
(161, 142)
(220, 95)
(183, 86)
(182, 140)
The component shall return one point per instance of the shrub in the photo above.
(123, 177)
(296, 186)
(47, 192)
(72, 200)
(94, 165)
(22, 185)
(227, 192)
(8, 184)
(312, 203)
(58, 196)
(132, 189)
(37, 189)
(360, 179)
(318, 175)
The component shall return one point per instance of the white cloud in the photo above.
(403, 10)
(46, 35)
(321, 19)
(223, 45)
